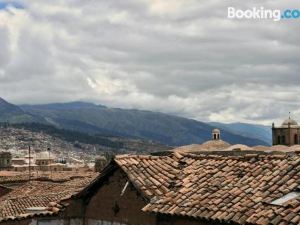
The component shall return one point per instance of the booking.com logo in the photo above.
(261, 13)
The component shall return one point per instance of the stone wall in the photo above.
(286, 136)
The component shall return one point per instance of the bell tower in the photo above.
(216, 134)
(286, 134)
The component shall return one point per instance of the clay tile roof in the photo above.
(237, 189)
(18, 177)
(14, 205)
(150, 174)
(280, 148)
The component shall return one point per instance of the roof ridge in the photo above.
(126, 156)
(237, 157)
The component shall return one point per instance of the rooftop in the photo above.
(208, 145)
(239, 189)
(38, 194)
(7, 177)
(289, 121)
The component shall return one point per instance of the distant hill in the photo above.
(163, 128)
(14, 114)
(65, 106)
(261, 132)
(95, 119)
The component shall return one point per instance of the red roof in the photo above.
(237, 189)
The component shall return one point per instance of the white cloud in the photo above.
(182, 57)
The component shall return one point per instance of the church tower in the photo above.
(216, 134)
(286, 134)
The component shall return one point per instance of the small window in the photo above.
(295, 139)
(285, 198)
(283, 139)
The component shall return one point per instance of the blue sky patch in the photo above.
(5, 4)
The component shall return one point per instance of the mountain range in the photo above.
(101, 120)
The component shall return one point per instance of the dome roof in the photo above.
(216, 130)
(238, 147)
(211, 145)
(289, 121)
(214, 145)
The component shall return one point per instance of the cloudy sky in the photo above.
(183, 57)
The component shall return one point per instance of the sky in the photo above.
(182, 57)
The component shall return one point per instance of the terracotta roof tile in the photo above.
(14, 207)
(236, 189)
(151, 174)
(38, 194)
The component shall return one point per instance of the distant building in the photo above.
(23, 168)
(19, 161)
(43, 161)
(287, 134)
(29, 159)
(216, 134)
(5, 160)
(57, 167)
